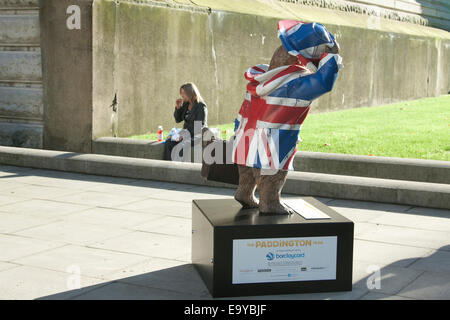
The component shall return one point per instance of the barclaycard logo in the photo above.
(290, 255)
(270, 256)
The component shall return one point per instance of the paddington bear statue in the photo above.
(277, 101)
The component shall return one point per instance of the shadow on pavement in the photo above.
(74, 176)
(183, 282)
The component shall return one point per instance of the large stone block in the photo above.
(19, 102)
(20, 66)
(19, 29)
(21, 135)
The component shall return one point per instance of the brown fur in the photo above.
(269, 188)
(245, 192)
(281, 58)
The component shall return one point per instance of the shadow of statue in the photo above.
(183, 282)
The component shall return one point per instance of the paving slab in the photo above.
(414, 221)
(430, 285)
(15, 222)
(355, 294)
(367, 205)
(8, 185)
(382, 279)
(122, 189)
(27, 282)
(169, 275)
(112, 217)
(148, 244)
(9, 171)
(43, 208)
(70, 232)
(159, 206)
(167, 225)
(7, 265)
(357, 215)
(432, 212)
(406, 236)
(161, 184)
(383, 254)
(61, 179)
(186, 195)
(39, 192)
(91, 262)
(149, 265)
(436, 261)
(10, 198)
(14, 247)
(126, 291)
(100, 199)
(209, 190)
(382, 296)
(360, 227)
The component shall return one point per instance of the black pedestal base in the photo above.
(243, 253)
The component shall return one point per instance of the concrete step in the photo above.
(20, 66)
(19, 29)
(21, 134)
(423, 194)
(21, 103)
(420, 170)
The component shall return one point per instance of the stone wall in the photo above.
(143, 51)
(21, 92)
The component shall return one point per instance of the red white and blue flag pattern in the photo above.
(276, 104)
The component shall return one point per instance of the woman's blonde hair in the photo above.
(192, 92)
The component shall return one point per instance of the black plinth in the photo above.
(240, 252)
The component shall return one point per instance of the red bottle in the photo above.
(160, 133)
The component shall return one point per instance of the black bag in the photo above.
(226, 171)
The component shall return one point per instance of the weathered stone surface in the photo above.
(20, 66)
(21, 135)
(213, 48)
(19, 29)
(21, 103)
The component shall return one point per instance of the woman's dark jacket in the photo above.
(199, 112)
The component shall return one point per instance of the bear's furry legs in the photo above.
(269, 188)
(245, 193)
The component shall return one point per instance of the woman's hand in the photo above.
(179, 103)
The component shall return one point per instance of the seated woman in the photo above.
(189, 108)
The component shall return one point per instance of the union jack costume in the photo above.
(277, 101)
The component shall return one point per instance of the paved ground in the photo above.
(122, 238)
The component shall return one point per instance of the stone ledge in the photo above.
(302, 183)
(432, 171)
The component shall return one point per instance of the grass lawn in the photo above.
(413, 129)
